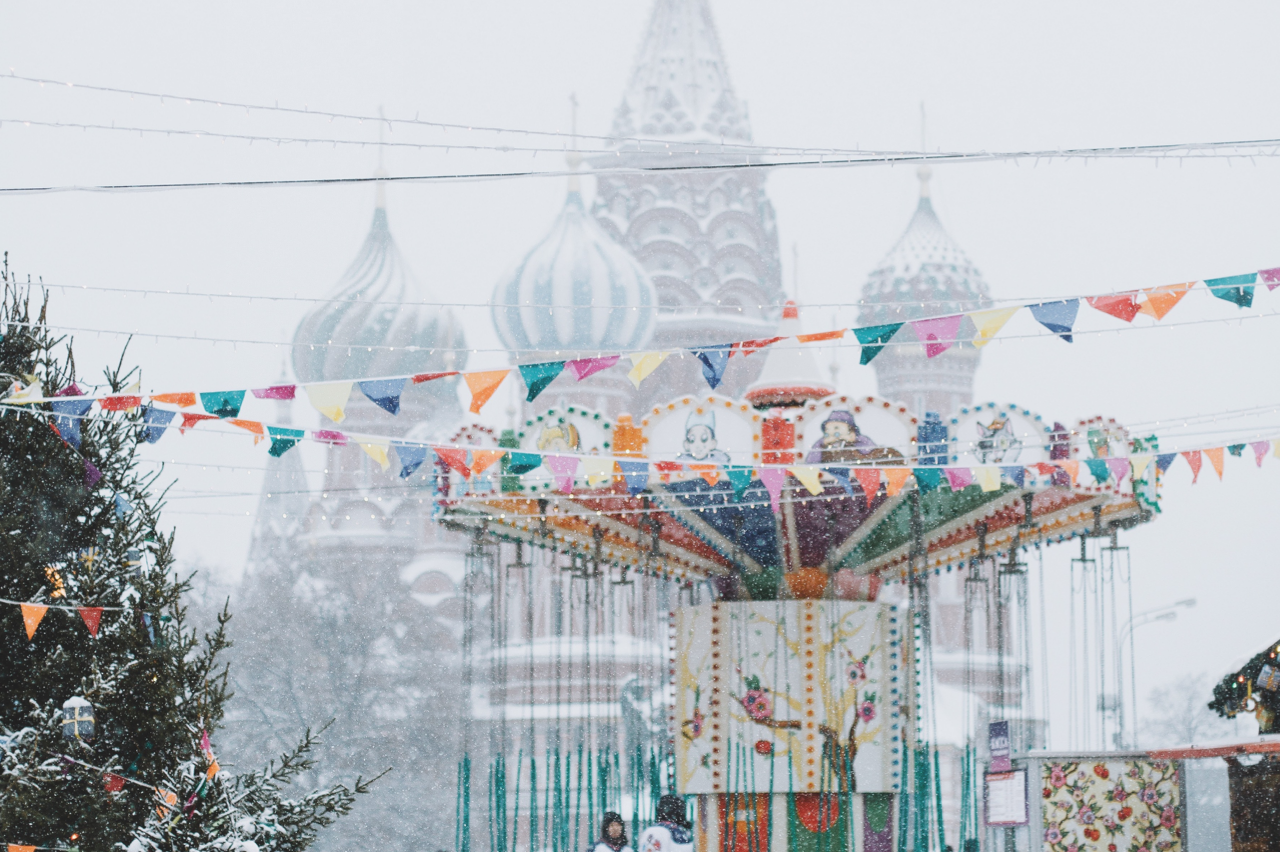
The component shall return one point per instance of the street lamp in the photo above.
(1163, 613)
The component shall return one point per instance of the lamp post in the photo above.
(1163, 613)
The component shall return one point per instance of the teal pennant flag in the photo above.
(283, 440)
(538, 376)
(874, 338)
(223, 403)
(1237, 289)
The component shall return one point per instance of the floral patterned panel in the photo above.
(1113, 806)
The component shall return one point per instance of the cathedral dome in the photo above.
(924, 274)
(377, 304)
(577, 291)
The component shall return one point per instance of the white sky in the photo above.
(994, 76)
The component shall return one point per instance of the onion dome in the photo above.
(791, 376)
(576, 292)
(377, 304)
(924, 274)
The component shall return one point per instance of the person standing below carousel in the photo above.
(613, 835)
(671, 833)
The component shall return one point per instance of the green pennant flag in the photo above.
(1099, 468)
(538, 376)
(519, 463)
(223, 403)
(873, 338)
(283, 440)
(740, 479)
(1237, 289)
(928, 478)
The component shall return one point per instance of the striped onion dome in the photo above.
(577, 291)
(924, 274)
(377, 304)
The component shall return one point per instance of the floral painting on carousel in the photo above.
(1112, 806)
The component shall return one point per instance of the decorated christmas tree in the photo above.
(109, 702)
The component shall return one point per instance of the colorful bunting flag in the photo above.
(330, 398)
(714, 360)
(182, 400)
(988, 323)
(1058, 317)
(283, 440)
(482, 460)
(1260, 449)
(748, 347)
(190, 419)
(598, 471)
(636, 474)
(68, 415)
(1237, 289)
(937, 334)
(1193, 459)
(331, 437)
(740, 479)
(1072, 469)
(384, 393)
(92, 616)
(1099, 469)
(820, 336)
(1163, 460)
(273, 392)
(113, 784)
(710, 473)
(1236, 450)
(773, 478)
(1122, 305)
(1119, 469)
(1270, 277)
(222, 403)
(1161, 300)
(809, 476)
(562, 470)
(987, 477)
(537, 376)
(1017, 474)
(31, 617)
(482, 387)
(874, 338)
(841, 476)
(455, 459)
(644, 363)
(91, 474)
(869, 479)
(119, 402)
(583, 367)
(928, 478)
(376, 449)
(431, 377)
(251, 426)
(1140, 464)
(411, 457)
(895, 478)
(20, 395)
(959, 478)
(1215, 458)
(123, 506)
(520, 463)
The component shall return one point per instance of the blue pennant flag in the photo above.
(928, 478)
(714, 360)
(384, 393)
(1237, 289)
(520, 463)
(1164, 460)
(123, 506)
(842, 476)
(740, 479)
(538, 376)
(1058, 317)
(154, 422)
(68, 415)
(283, 440)
(636, 474)
(223, 403)
(1015, 474)
(874, 338)
(1098, 467)
(411, 457)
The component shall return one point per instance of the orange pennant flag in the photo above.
(168, 802)
(14, 847)
(1072, 468)
(1160, 300)
(710, 473)
(822, 335)
(31, 616)
(484, 459)
(250, 426)
(482, 386)
(92, 615)
(896, 477)
(182, 400)
(1193, 459)
(213, 770)
(1215, 459)
(869, 479)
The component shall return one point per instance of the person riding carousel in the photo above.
(671, 833)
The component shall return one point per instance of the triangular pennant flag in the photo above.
(636, 473)
(283, 440)
(1119, 469)
(665, 469)
(521, 463)
(431, 377)
(68, 415)
(222, 403)
(1098, 469)
(959, 478)
(1017, 474)
(376, 449)
(1275, 443)
(583, 367)
(809, 476)
(869, 479)
(562, 469)
(331, 437)
(120, 402)
(252, 426)
(841, 476)
(537, 376)
(1236, 450)
(773, 478)
(710, 473)
(182, 400)
(1161, 300)
(91, 474)
(113, 784)
(1058, 317)
(895, 478)
(873, 338)
(1270, 277)
(411, 457)
(31, 616)
(1140, 464)
(273, 392)
(18, 847)
(928, 478)
(748, 347)
(988, 323)
(482, 460)
(123, 506)
(1237, 289)
(937, 334)
(820, 336)
(1163, 460)
(20, 395)
(1215, 458)
(1122, 305)
(1072, 469)
(330, 398)
(714, 359)
(740, 479)
(482, 386)
(987, 477)
(91, 615)
(1193, 459)
(455, 459)
(190, 419)
(644, 363)
(1260, 449)
(384, 393)
(597, 470)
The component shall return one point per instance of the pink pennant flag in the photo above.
(562, 468)
(1119, 469)
(959, 477)
(1193, 459)
(275, 392)
(773, 477)
(1260, 449)
(583, 367)
(869, 479)
(937, 334)
(329, 436)
(1270, 277)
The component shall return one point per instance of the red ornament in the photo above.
(114, 783)
(764, 747)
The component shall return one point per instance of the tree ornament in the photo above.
(77, 720)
